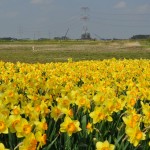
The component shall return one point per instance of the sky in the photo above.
(105, 19)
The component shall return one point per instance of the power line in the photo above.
(122, 25)
(121, 19)
(119, 14)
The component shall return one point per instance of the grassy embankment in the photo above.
(60, 51)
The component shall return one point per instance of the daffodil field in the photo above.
(102, 105)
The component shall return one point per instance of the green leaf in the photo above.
(67, 142)
(51, 144)
(125, 146)
(84, 122)
(118, 139)
(12, 140)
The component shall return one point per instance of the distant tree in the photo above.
(64, 38)
(61, 38)
(140, 37)
(57, 38)
(85, 36)
(7, 39)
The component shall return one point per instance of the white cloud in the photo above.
(120, 4)
(41, 1)
(144, 8)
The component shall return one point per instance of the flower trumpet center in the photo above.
(2, 125)
(132, 102)
(89, 126)
(32, 145)
(101, 116)
(15, 123)
(139, 135)
(45, 127)
(43, 139)
(26, 129)
(58, 112)
(71, 127)
(105, 148)
(16, 111)
(82, 101)
(11, 94)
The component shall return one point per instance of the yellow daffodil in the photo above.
(100, 114)
(89, 127)
(70, 126)
(33, 94)
(41, 138)
(23, 128)
(13, 121)
(16, 110)
(83, 101)
(56, 112)
(41, 126)
(132, 120)
(99, 98)
(2, 147)
(135, 135)
(29, 143)
(146, 112)
(3, 124)
(104, 146)
(64, 102)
